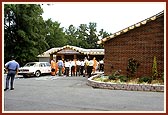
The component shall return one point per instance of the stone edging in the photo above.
(130, 87)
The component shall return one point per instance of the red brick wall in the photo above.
(142, 44)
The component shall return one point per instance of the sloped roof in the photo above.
(47, 53)
(77, 49)
(139, 24)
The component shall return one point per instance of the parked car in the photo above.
(35, 69)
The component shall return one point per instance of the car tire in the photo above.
(37, 73)
(25, 76)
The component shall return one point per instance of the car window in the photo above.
(48, 64)
(30, 64)
(42, 65)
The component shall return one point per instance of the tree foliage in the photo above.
(55, 35)
(85, 36)
(27, 34)
(23, 36)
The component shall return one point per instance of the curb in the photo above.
(129, 87)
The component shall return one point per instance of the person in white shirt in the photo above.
(67, 66)
(73, 67)
(78, 66)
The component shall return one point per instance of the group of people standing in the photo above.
(75, 67)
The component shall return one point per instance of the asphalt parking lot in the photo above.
(72, 94)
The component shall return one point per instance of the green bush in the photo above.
(132, 67)
(145, 79)
(163, 77)
(112, 77)
(123, 78)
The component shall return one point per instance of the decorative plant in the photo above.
(162, 77)
(123, 78)
(145, 79)
(115, 75)
(132, 67)
(154, 68)
(112, 77)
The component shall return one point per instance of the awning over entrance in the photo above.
(73, 49)
(73, 52)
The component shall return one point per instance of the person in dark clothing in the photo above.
(89, 68)
(82, 67)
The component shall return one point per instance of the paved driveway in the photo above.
(71, 94)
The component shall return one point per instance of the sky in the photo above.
(110, 16)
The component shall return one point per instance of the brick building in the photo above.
(141, 41)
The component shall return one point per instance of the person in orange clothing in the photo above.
(56, 69)
(94, 64)
(75, 66)
(53, 67)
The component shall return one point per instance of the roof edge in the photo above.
(143, 22)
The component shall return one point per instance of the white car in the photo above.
(35, 69)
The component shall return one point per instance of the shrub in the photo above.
(132, 67)
(154, 69)
(162, 77)
(123, 78)
(145, 79)
(115, 75)
(112, 77)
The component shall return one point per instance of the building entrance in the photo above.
(70, 57)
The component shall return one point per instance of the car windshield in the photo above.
(30, 64)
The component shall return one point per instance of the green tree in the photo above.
(27, 35)
(23, 32)
(71, 35)
(92, 36)
(85, 36)
(103, 34)
(82, 36)
(55, 35)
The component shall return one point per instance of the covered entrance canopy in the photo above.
(73, 52)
